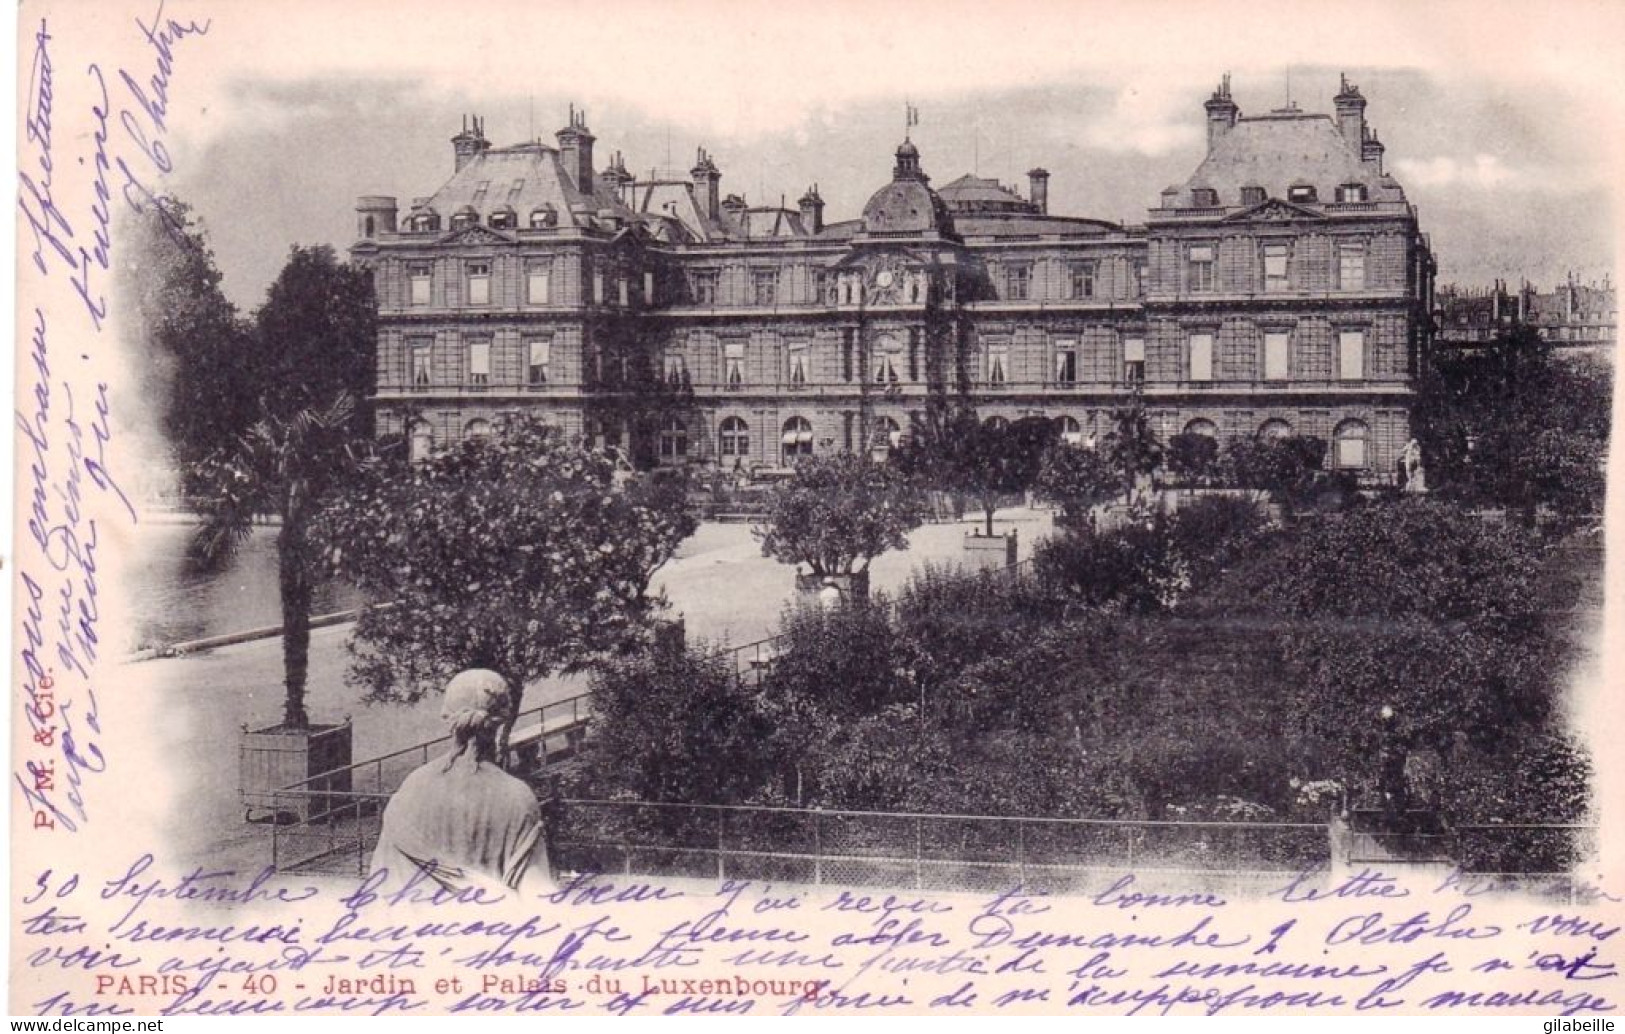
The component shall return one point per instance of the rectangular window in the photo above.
(648, 288)
(421, 368)
(420, 275)
(765, 287)
(705, 287)
(539, 361)
(1351, 453)
(1351, 267)
(1201, 357)
(539, 284)
(798, 364)
(1351, 355)
(733, 359)
(1275, 278)
(480, 189)
(1066, 363)
(479, 361)
(1083, 279)
(623, 292)
(513, 191)
(1199, 268)
(1276, 346)
(1017, 280)
(479, 283)
(998, 365)
(1134, 360)
(846, 353)
(598, 288)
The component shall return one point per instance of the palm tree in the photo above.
(282, 467)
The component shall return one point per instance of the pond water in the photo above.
(172, 602)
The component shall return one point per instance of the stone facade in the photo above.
(1285, 287)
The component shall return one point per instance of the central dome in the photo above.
(907, 204)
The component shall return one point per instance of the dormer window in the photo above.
(425, 222)
(1252, 195)
(544, 217)
(1301, 193)
(504, 219)
(464, 218)
(1351, 192)
(479, 191)
(1205, 197)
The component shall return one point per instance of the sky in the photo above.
(1493, 126)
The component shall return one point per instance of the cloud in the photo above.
(1480, 172)
(1149, 119)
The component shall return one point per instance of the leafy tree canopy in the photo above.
(838, 513)
(514, 551)
(316, 334)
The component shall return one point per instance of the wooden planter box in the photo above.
(313, 760)
(984, 553)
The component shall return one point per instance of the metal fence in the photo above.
(926, 851)
(329, 822)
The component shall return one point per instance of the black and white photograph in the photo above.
(713, 509)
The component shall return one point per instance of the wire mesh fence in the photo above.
(923, 851)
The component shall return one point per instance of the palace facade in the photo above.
(1285, 287)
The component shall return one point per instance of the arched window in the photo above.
(673, 438)
(797, 440)
(1071, 431)
(1205, 428)
(420, 441)
(735, 437)
(1275, 429)
(477, 428)
(1350, 438)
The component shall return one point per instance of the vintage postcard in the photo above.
(829, 509)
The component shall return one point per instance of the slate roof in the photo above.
(1284, 149)
(523, 177)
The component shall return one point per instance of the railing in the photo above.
(329, 822)
(925, 851)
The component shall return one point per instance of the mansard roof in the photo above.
(524, 177)
(1284, 149)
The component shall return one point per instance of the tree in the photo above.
(316, 334)
(196, 347)
(283, 467)
(311, 342)
(986, 460)
(1286, 468)
(838, 513)
(1132, 448)
(513, 551)
(1516, 425)
(1192, 457)
(1074, 478)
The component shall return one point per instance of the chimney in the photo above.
(1371, 150)
(812, 210)
(1350, 112)
(575, 150)
(470, 143)
(615, 180)
(1038, 189)
(1222, 113)
(706, 184)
